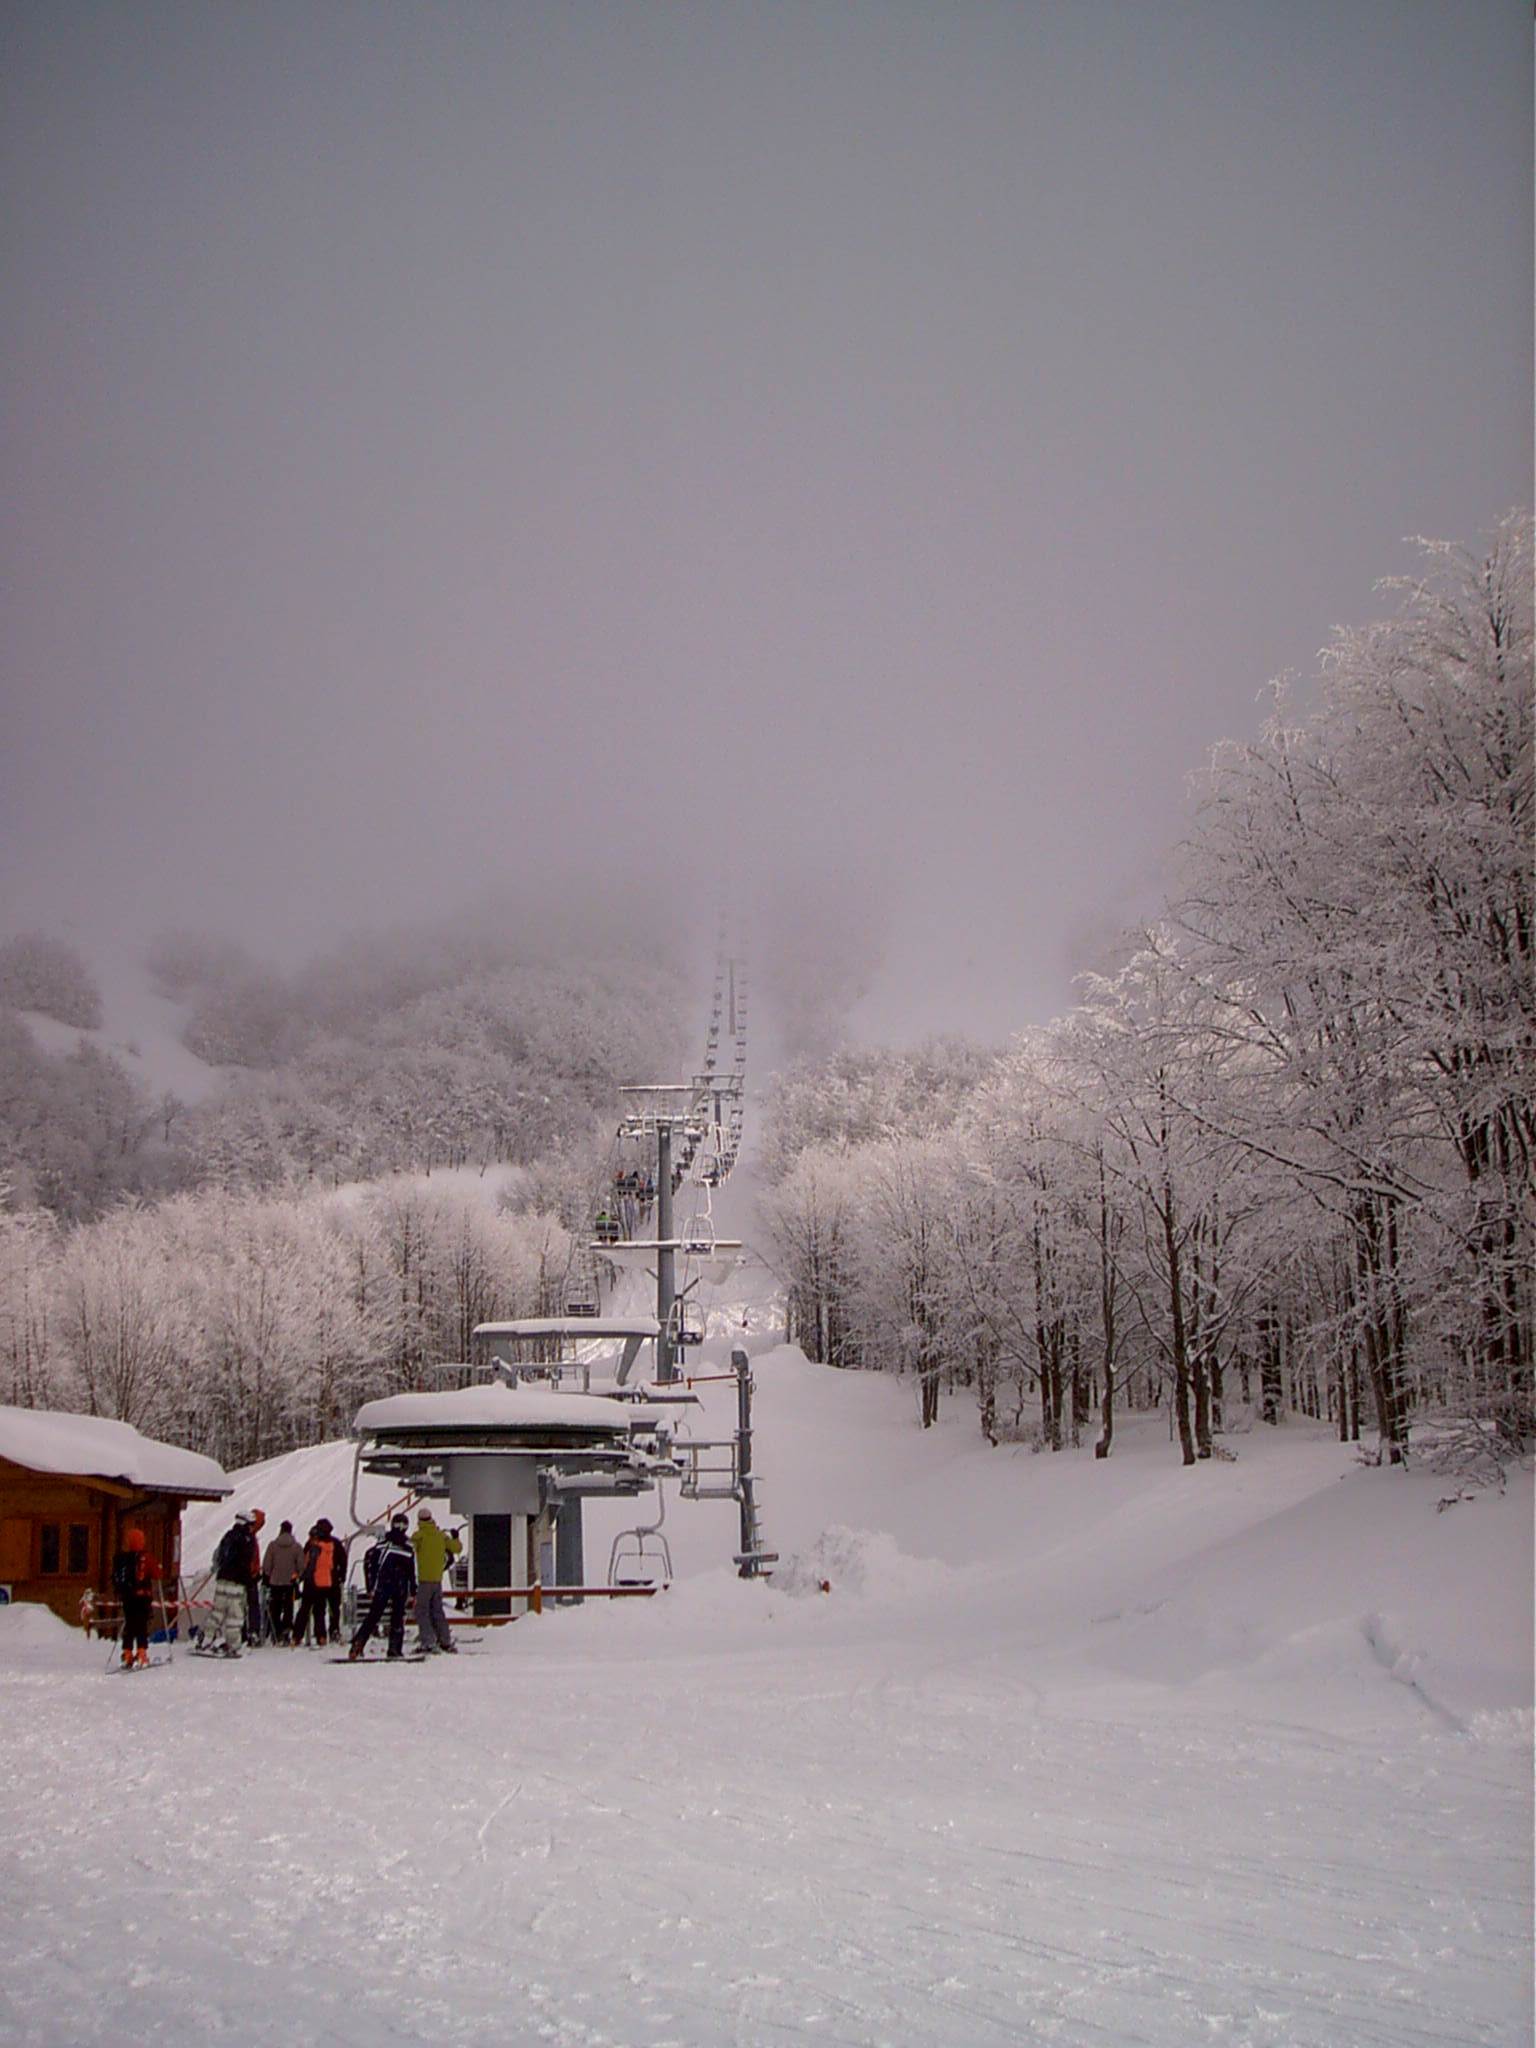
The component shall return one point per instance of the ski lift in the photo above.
(684, 1326)
(698, 1237)
(642, 1556)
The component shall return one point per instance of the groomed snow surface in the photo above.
(1071, 1752)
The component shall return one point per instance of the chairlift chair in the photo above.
(698, 1237)
(684, 1327)
(641, 1556)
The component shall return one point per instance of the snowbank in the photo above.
(33, 1638)
(1367, 1578)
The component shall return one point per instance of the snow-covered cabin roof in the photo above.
(491, 1407)
(44, 1440)
(573, 1326)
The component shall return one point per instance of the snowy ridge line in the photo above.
(1403, 1667)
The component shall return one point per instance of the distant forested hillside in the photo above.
(212, 1271)
(449, 1046)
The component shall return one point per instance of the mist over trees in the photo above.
(40, 973)
(238, 1273)
(1281, 1158)
(461, 1045)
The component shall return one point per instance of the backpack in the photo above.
(371, 1563)
(125, 1574)
(232, 1558)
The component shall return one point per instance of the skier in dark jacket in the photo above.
(393, 1586)
(235, 1563)
(134, 1578)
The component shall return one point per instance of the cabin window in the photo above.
(64, 1548)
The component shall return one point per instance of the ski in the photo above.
(405, 1657)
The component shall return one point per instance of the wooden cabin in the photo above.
(69, 1486)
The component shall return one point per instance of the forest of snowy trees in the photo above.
(1278, 1158)
(1281, 1156)
(236, 1273)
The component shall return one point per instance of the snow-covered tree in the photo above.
(42, 973)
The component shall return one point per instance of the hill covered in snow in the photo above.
(1069, 1750)
(141, 1028)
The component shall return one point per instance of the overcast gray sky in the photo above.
(449, 440)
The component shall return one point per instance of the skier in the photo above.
(281, 1567)
(338, 1576)
(234, 1566)
(433, 1547)
(315, 1583)
(396, 1579)
(255, 1617)
(134, 1575)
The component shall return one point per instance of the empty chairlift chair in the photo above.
(642, 1556)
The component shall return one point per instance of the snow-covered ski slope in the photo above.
(1071, 1752)
(141, 1028)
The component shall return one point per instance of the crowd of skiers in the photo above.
(254, 1591)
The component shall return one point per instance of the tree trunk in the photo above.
(1200, 1375)
(1179, 1340)
(1271, 1385)
(1382, 1326)
(1080, 1393)
(1106, 1419)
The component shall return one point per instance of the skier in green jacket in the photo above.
(434, 1548)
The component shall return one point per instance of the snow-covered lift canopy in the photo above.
(503, 1340)
(511, 1414)
(96, 1447)
(445, 1442)
(579, 1327)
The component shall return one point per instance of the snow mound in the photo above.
(868, 1563)
(26, 1625)
(32, 1638)
(1340, 1599)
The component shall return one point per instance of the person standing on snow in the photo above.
(234, 1566)
(396, 1580)
(434, 1548)
(338, 1576)
(255, 1586)
(134, 1577)
(315, 1583)
(281, 1567)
